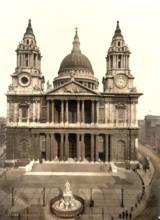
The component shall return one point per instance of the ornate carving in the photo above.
(72, 88)
(120, 106)
(134, 89)
(10, 87)
(36, 88)
(49, 86)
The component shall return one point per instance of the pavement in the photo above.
(22, 193)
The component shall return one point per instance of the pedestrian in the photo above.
(123, 214)
(126, 214)
(130, 216)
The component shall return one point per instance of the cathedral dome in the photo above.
(75, 61)
(78, 65)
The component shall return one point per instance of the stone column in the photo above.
(48, 147)
(66, 147)
(32, 146)
(92, 147)
(105, 112)
(33, 111)
(93, 112)
(61, 147)
(82, 147)
(106, 148)
(36, 110)
(78, 147)
(66, 111)
(15, 112)
(96, 148)
(97, 112)
(53, 111)
(110, 147)
(78, 111)
(48, 110)
(128, 62)
(39, 110)
(83, 118)
(62, 111)
(53, 150)
(37, 148)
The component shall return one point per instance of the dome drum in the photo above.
(91, 83)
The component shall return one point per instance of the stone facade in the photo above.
(2, 131)
(72, 119)
(141, 133)
(152, 131)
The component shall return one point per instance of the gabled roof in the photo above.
(72, 88)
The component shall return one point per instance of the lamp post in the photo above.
(44, 196)
(128, 163)
(12, 196)
(91, 204)
(102, 213)
(122, 203)
(27, 211)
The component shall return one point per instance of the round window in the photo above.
(24, 80)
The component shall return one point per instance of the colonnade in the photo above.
(59, 145)
(118, 61)
(61, 114)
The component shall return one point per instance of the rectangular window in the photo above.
(121, 115)
(24, 114)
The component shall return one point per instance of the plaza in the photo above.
(26, 195)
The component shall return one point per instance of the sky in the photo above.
(54, 23)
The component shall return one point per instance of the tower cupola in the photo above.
(27, 77)
(28, 54)
(118, 64)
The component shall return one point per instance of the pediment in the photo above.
(73, 88)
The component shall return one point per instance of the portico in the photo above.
(73, 110)
(78, 146)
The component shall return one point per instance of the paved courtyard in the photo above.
(22, 193)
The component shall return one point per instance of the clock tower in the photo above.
(27, 78)
(118, 78)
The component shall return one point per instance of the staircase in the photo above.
(70, 167)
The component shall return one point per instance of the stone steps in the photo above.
(70, 167)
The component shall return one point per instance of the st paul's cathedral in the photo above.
(72, 119)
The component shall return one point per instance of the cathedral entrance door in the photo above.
(43, 155)
(43, 146)
(72, 146)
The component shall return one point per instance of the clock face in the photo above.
(24, 79)
(121, 81)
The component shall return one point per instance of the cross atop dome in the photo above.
(76, 43)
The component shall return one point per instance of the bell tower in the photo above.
(27, 78)
(118, 76)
